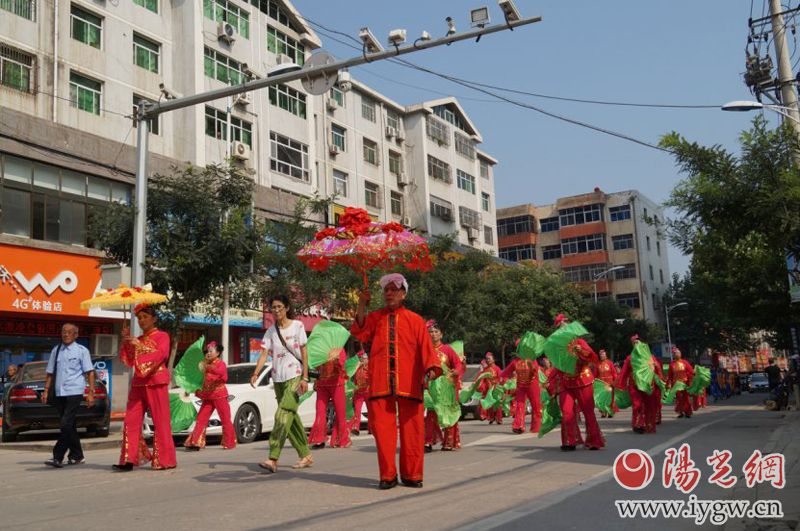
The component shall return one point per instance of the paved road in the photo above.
(497, 480)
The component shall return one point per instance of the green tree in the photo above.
(612, 326)
(200, 234)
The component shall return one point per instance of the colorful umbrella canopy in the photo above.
(327, 339)
(188, 375)
(124, 296)
(557, 346)
(363, 244)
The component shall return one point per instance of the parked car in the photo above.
(252, 409)
(23, 409)
(758, 382)
(471, 408)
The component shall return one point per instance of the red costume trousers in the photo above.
(528, 392)
(140, 399)
(683, 404)
(699, 401)
(573, 401)
(494, 414)
(645, 409)
(384, 414)
(358, 404)
(433, 432)
(340, 436)
(198, 436)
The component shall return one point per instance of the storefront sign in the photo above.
(45, 282)
(10, 326)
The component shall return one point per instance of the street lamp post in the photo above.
(668, 309)
(789, 113)
(600, 275)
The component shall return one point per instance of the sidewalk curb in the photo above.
(47, 446)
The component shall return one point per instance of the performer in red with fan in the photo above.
(214, 395)
(644, 405)
(607, 372)
(361, 393)
(147, 355)
(495, 413)
(681, 370)
(454, 369)
(400, 357)
(527, 374)
(576, 394)
(330, 387)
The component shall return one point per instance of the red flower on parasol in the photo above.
(363, 244)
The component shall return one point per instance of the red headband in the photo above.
(139, 307)
(560, 318)
(431, 323)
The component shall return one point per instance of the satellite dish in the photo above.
(320, 85)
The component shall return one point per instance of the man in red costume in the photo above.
(576, 393)
(527, 374)
(361, 393)
(147, 355)
(401, 355)
(645, 406)
(330, 388)
(607, 372)
(681, 370)
(493, 414)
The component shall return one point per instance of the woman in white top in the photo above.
(285, 342)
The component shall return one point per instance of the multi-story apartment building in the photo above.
(71, 72)
(584, 236)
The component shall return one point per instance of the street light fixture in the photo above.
(668, 309)
(600, 275)
(745, 106)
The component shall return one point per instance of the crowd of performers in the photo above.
(411, 383)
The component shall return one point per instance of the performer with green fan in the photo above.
(607, 373)
(214, 395)
(526, 371)
(494, 412)
(638, 376)
(450, 436)
(681, 371)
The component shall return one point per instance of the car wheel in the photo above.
(8, 435)
(247, 424)
(102, 431)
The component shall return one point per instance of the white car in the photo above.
(252, 409)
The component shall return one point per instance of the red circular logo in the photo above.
(633, 469)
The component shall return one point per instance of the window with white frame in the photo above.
(337, 96)
(227, 11)
(217, 127)
(340, 183)
(517, 253)
(288, 99)
(582, 244)
(21, 8)
(372, 194)
(146, 53)
(516, 225)
(469, 218)
(280, 43)
(622, 242)
(151, 5)
(85, 93)
(273, 10)
(222, 68)
(484, 169)
(580, 215)
(466, 181)
(339, 137)
(449, 116)
(583, 273)
(627, 271)
(86, 27)
(551, 252)
(488, 235)
(393, 119)
(464, 146)
(441, 208)
(289, 157)
(370, 150)
(439, 169)
(151, 122)
(630, 300)
(437, 130)
(368, 108)
(395, 163)
(486, 202)
(620, 213)
(549, 224)
(397, 203)
(17, 69)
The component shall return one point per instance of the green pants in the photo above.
(287, 421)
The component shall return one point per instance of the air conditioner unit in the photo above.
(331, 104)
(104, 345)
(402, 179)
(390, 131)
(472, 233)
(226, 32)
(240, 151)
(406, 220)
(284, 59)
(333, 149)
(401, 135)
(244, 99)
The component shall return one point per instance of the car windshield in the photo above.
(33, 372)
(758, 377)
(240, 374)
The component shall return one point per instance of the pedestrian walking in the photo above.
(400, 357)
(214, 395)
(68, 369)
(286, 342)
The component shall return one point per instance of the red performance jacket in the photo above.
(216, 375)
(147, 355)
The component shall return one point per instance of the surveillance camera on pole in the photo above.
(479, 17)
(167, 93)
(451, 26)
(397, 37)
(345, 81)
(371, 43)
(510, 10)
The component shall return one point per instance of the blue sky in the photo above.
(684, 52)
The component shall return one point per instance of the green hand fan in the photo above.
(458, 346)
(465, 395)
(642, 365)
(531, 346)
(446, 405)
(181, 412)
(305, 396)
(351, 366)
(603, 393)
(551, 417)
(556, 346)
(187, 373)
(669, 398)
(326, 340)
(701, 380)
(622, 398)
(349, 393)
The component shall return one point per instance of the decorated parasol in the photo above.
(123, 296)
(558, 346)
(326, 341)
(363, 244)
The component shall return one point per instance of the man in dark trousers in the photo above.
(68, 368)
(773, 375)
